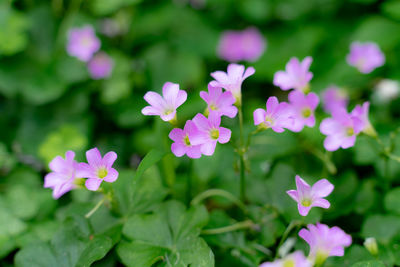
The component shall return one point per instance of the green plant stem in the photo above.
(98, 205)
(234, 227)
(218, 192)
(242, 152)
(189, 184)
(290, 227)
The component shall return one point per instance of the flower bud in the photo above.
(371, 245)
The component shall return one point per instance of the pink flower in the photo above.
(98, 169)
(182, 145)
(341, 130)
(334, 98)
(325, 241)
(232, 79)
(308, 197)
(62, 177)
(82, 43)
(361, 112)
(296, 259)
(277, 116)
(303, 107)
(296, 76)
(209, 133)
(218, 101)
(365, 56)
(247, 45)
(100, 66)
(165, 106)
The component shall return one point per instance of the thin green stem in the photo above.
(290, 227)
(221, 193)
(189, 184)
(242, 152)
(98, 205)
(234, 227)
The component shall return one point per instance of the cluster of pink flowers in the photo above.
(84, 45)
(247, 45)
(67, 173)
(201, 134)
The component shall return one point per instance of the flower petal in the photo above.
(109, 159)
(322, 188)
(112, 175)
(93, 157)
(93, 184)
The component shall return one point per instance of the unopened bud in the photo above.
(371, 245)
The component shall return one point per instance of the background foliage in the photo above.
(48, 104)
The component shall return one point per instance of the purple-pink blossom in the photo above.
(361, 112)
(182, 145)
(98, 169)
(232, 79)
(82, 43)
(296, 259)
(247, 45)
(308, 197)
(303, 107)
(296, 76)
(209, 132)
(334, 98)
(365, 56)
(341, 130)
(165, 106)
(100, 66)
(277, 116)
(62, 178)
(325, 241)
(220, 102)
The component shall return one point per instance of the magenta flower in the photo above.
(182, 145)
(297, 75)
(308, 197)
(334, 98)
(341, 130)
(62, 178)
(365, 56)
(247, 45)
(208, 133)
(303, 107)
(361, 112)
(165, 106)
(82, 43)
(100, 66)
(98, 169)
(277, 116)
(232, 79)
(296, 259)
(218, 101)
(325, 241)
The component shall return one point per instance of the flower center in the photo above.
(168, 111)
(306, 112)
(306, 202)
(350, 131)
(102, 172)
(213, 107)
(289, 263)
(268, 120)
(214, 133)
(186, 140)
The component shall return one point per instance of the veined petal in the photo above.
(109, 158)
(93, 157)
(112, 175)
(93, 184)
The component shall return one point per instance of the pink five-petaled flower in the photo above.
(218, 101)
(98, 169)
(165, 106)
(247, 45)
(297, 75)
(334, 98)
(325, 241)
(82, 43)
(100, 66)
(209, 132)
(365, 56)
(62, 177)
(303, 107)
(308, 197)
(182, 145)
(361, 112)
(277, 116)
(296, 259)
(341, 130)
(232, 79)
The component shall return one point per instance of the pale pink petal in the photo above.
(322, 188)
(57, 164)
(283, 80)
(168, 117)
(170, 92)
(194, 152)
(181, 98)
(235, 70)
(155, 100)
(293, 194)
(348, 141)
(303, 210)
(109, 159)
(323, 203)
(208, 148)
(178, 149)
(332, 142)
(214, 118)
(220, 77)
(93, 184)
(259, 116)
(224, 135)
(201, 122)
(93, 157)
(84, 170)
(249, 71)
(112, 175)
(176, 134)
(272, 104)
(150, 110)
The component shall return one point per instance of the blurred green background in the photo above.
(48, 103)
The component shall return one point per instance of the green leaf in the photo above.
(140, 254)
(383, 227)
(391, 8)
(149, 160)
(392, 201)
(95, 250)
(105, 7)
(369, 264)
